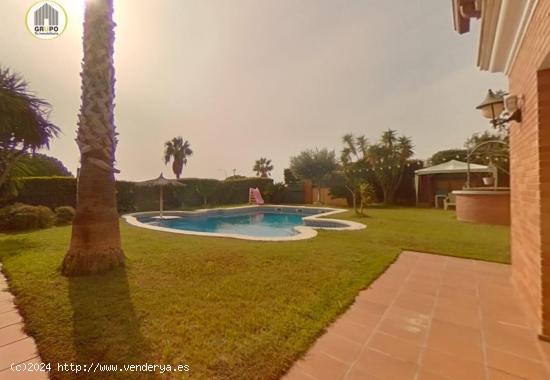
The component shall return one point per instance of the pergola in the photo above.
(450, 167)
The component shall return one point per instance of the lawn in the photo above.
(230, 309)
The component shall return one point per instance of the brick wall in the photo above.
(484, 208)
(530, 162)
(543, 88)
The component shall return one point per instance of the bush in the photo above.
(48, 191)
(235, 191)
(20, 217)
(64, 215)
(126, 196)
(275, 193)
(54, 192)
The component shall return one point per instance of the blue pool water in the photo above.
(260, 223)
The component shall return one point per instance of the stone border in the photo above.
(307, 231)
(16, 347)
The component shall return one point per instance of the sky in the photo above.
(245, 79)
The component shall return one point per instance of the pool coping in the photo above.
(304, 232)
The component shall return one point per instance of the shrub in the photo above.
(54, 192)
(20, 217)
(207, 189)
(48, 191)
(126, 196)
(275, 193)
(236, 191)
(64, 215)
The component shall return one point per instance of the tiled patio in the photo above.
(431, 317)
(15, 346)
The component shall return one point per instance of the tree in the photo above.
(447, 155)
(491, 148)
(95, 240)
(263, 167)
(388, 159)
(354, 165)
(315, 165)
(366, 191)
(41, 165)
(206, 188)
(289, 176)
(24, 124)
(178, 150)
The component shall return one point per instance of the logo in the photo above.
(46, 20)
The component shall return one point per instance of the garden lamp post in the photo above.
(493, 106)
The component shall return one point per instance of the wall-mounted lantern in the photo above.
(495, 104)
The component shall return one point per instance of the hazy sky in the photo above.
(242, 79)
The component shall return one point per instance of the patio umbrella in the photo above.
(160, 182)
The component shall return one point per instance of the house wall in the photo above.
(530, 164)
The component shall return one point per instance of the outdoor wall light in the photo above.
(494, 104)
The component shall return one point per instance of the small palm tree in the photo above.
(178, 150)
(24, 124)
(263, 167)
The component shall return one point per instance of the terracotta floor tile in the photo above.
(322, 367)
(516, 365)
(394, 347)
(461, 283)
(409, 316)
(362, 316)
(416, 302)
(455, 339)
(400, 269)
(9, 318)
(495, 374)
(410, 329)
(6, 305)
(383, 297)
(421, 287)
(466, 295)
(357, 374)
(545, 346)
(384, 366)
(6, 296)
(8, 374)
(508, 313)
(460, 316)
(428, 318)
(452, 366)
(494, 279)
(427, 375)
(458, 302)
(295, 373)
(369, 306)
(389, 285)
(17, 352)
(431, 275)
(353, 331)
(485, 267)
(338, 347)
(515, 340)
(11, 333)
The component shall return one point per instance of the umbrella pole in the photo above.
(161, 202)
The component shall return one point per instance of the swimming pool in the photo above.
(271, 223)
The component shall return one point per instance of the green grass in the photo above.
(230, 309)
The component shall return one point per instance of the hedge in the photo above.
(61, 191)
(47, 191)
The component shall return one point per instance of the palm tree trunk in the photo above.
(95, 241)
